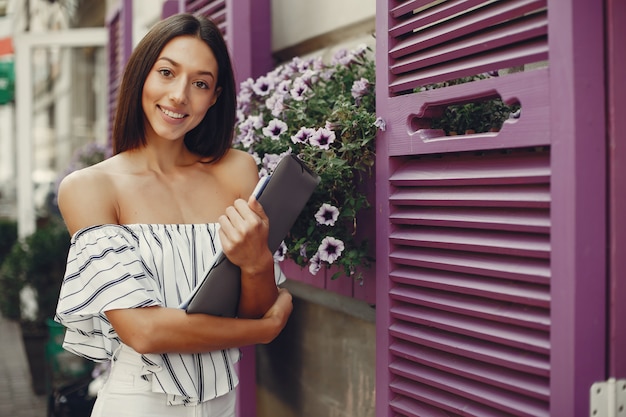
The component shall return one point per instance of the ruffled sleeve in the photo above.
(104, 272)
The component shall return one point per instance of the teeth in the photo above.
(172, 114)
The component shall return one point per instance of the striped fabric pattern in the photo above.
(131, 266)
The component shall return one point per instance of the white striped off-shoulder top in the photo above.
(140, 265)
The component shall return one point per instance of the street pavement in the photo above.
(17, 398)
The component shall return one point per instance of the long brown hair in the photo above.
(214, 134)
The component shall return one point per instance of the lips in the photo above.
(172, 114)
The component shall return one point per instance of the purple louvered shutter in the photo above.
(246, 26)
(119, 48)
(465, 301)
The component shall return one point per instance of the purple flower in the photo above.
(303, 250)
(299, 89)
(322, 138)
(263, 85)
(330, 249)
(270, 161)
(283, 87)
(327, 215)
(275, 104)
(280, 253)
(359, 88)
(315, 264)
(275, 128)
(303, 135)
(380, 123)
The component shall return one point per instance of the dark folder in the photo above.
(283, 195)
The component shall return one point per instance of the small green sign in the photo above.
(7, 82)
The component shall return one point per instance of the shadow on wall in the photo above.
(322, 364)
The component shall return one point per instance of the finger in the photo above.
(256, 207)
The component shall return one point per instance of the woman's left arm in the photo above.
(244, 230)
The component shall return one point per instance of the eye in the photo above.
(201, 84)
(165, 72)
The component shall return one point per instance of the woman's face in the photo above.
(179, 89)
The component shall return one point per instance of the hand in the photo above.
(244, 229)
(280, 311)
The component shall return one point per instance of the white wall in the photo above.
(295, 21)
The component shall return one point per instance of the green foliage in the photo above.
(12, 280)
(47, 250)
(38, 261)
(288, 111)
(477, 117)
(8, 236)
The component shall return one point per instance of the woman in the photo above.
(148, 222)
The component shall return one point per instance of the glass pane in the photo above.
(69, 112)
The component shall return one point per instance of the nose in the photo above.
(178, 92)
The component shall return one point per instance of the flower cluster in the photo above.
(325, 114)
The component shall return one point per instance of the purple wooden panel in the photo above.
(525, 269)
(365, 289)
(529, 196)
(484, 308)
(517, 244)
(249, 37)
(519, 292)
(295, 272)
(616, 90)
(523, 29)
(491, 60)
(488, 402)
(170, 8)
(483, 372)
(476, 20)
(408, 116)
(579, 253)
(513, 219)
(342, 285)
(246, 390)
(521, 167)
(119, 25)
(429, 16)
(504, 334)
(497, 355)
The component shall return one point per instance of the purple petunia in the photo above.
(275, 104)
(263, 85)
(327, 215)
(299, 89)
(275, 128)
(303, 135)
(315, 264)
(380, 123)
(322, 138)
(330, 249)
(359, 88)
(280, 253)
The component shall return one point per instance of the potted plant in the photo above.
(10, 283)
(31, 276)
(325, 114)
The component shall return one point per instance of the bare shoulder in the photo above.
(87, 197)
(241, 170)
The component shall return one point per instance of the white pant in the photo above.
(126, 394)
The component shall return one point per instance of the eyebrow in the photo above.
(176, 64)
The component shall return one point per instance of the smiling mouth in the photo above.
(172, 114)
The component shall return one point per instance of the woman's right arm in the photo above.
(163, 330)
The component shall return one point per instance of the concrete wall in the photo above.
(323, 363)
